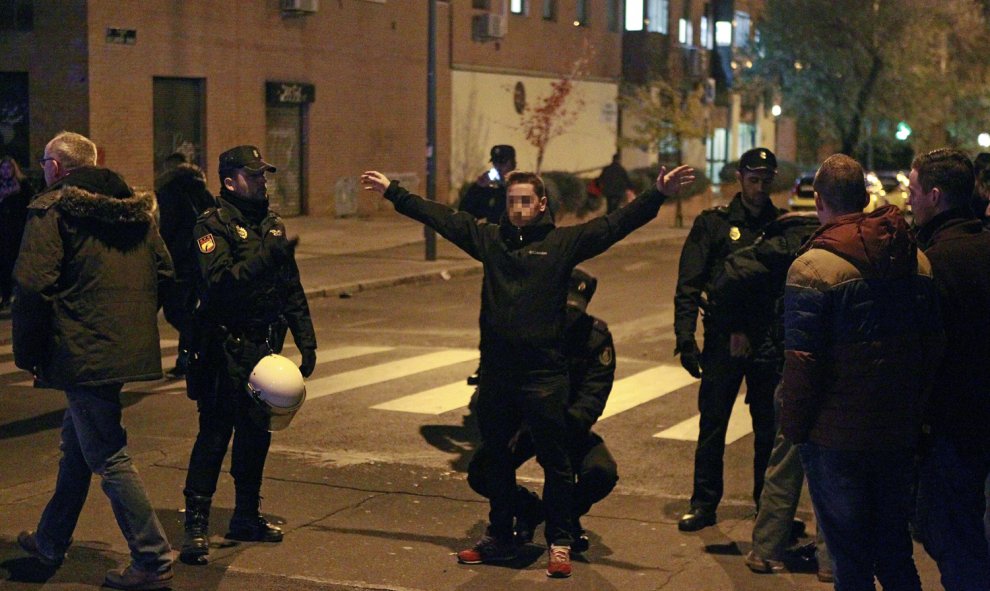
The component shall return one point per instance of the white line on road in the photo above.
(384, 372)
(645, 386)
(740, 425)
(432, 402)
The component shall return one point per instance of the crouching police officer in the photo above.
(591, 370)
(250, 294)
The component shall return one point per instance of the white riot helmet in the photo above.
(279, 391)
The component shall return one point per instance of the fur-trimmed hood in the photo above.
(98, 195)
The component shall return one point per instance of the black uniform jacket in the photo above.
(242, 287)
(716, 233)
(591, 368)
(524, 290)
(751, 283)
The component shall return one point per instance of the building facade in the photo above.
(327, 89)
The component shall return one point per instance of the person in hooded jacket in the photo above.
(527, 265)
(250, 294)
(862, 338)
(85, 321)
(182, 196)
(953, 506)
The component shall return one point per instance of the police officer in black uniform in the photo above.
(716, 233)
(485, 199)
(250, 294)
(591, 370)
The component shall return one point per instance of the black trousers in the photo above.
(507, 399)
(227, 414)
(594, 467)
(720, 384)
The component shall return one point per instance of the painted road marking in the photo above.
(645, 386)
(740, 425)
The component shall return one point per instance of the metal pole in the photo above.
(429, 234)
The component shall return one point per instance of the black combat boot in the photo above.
(529, 514)
(196, 543)
(248, 525)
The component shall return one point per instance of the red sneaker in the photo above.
(559, 566)
(488, 549)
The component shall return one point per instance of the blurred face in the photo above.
(922, 203)
(523, 205)
(248, 185)
(755, 187)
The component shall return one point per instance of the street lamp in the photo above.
(984, 140)
(775, 110)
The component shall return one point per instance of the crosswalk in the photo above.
(400, 363)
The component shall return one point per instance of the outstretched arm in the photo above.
(461, 228)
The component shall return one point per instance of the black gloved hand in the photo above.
(308, 362)
(690, 357)
(283, 251)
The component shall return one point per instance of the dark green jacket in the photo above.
(86, 284)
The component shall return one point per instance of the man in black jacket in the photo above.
(952, 506)
(85, 321)
(716, 233)
(591, 371)
(527, 265)
(250, 294)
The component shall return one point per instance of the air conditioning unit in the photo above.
(300, 6)
(489, 26)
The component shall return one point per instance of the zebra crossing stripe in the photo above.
(327, 356)
(432, 402)
(384, 372)
(740, 425)
(645, 386)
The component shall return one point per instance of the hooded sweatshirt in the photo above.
(862, 334)
(86, 283)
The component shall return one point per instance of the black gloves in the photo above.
(308, 362)
(688, 349)
(283, 251)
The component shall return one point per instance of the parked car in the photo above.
(893, 188)
(803, 194)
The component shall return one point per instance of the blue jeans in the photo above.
(951, 507)
(862, 502)
(94, 441)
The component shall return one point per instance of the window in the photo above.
(705, 34)
(518, 7)
(549, 10)
(658, 16)
(742, 24)
(747, 137)
(613, 15)
(634, 15)
(718, 144)
(581, 16)
(685, 32)
(723, 33)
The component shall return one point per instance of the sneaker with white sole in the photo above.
(559, 565)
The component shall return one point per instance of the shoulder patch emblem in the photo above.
(276, 231)
(734, 233)
(206, 244)
(241, 232)
(605, 357)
